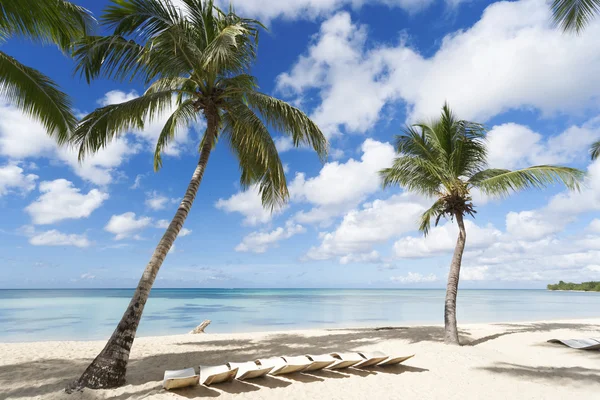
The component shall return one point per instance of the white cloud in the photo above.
(56, 238)
(267, 10)
(531, 225)
(361, 229)
(595, 226)
(259, 242)
(249, 204)
(164, 224)
(341, 186)
(60, 200)
(473, 273)
(126, 225)
(284, 143)
(22, 137)
(368, 258)
(442, 240)
(12, 179)
(414, 277)
(511, 58)
(515, 146)
(157, 201)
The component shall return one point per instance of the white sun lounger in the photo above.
(180, 378)
(579, 344)
(209, 375)
(370, 359)
(345, 360)
(284, 365)
(319, 362)
(394, 360)
(249, 370)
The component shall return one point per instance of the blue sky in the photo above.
(361, 71)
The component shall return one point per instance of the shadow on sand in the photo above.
(52, 375)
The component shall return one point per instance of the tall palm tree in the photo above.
(48, 22)
(196, 57)
(445, 160)
(574, 16)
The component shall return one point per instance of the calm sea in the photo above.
(31, 315)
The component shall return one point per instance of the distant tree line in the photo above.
(592, 286)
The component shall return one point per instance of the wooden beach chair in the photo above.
(319, 362)
(249, 370)
(345, 360)
(579, 344)
(371, 358)
(284, 365)
(394, 360)
(176, 379)
(210, 375)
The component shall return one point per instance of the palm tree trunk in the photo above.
(109, 368)
(451, 331)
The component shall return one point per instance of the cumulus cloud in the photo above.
(361, 229)
(511, 58)
(157, 201)
(259, 242)
(330, 192)
(442, 240)
(249, 204)
(126, 225)
(56, 238)
(515, 146)
(22, 137)
(267, 10)
(13, 179)
(61, 200)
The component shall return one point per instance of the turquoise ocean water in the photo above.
(86, 314)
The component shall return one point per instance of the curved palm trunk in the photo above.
(451, 331)
(109, 368)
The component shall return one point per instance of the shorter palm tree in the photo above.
(446, 160)
(56, 22)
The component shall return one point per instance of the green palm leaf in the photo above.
(500, 182)
(98, 128)
(37, 96)
(595, 150)
(574, 15)
(51, 22)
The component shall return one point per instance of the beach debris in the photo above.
(200, 328)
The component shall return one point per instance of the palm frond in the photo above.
(257, 154)
(37, 96)
(289, 120)
(141, 19)
(574, 15)
(183, 116)
(51, 21)
(595, 150)
(501, 182)
(436, 211)
(97, 129)
(414, 174)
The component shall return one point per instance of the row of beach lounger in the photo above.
(210, 375)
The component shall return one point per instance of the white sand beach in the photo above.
(497, 361)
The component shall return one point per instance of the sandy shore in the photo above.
(498, 361)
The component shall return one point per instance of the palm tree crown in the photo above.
(447, 158)
(56, 22)
(197, 57)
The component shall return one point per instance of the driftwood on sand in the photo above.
(200, 328)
